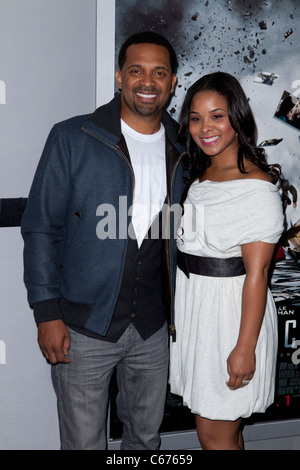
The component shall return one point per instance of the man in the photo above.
(100, 298)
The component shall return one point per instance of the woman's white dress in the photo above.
(218, 218)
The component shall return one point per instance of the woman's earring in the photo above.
(237, 138)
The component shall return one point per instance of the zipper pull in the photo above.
(172, 331)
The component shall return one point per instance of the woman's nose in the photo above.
(205, 125)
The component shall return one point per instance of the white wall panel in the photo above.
(47, 74)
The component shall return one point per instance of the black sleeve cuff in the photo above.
(11, 211)
(47, 310)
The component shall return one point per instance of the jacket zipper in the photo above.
(132, 173)
(117, 150)
(172, 328)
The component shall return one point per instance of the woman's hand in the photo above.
(240, 367)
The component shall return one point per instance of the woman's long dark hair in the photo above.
(241, 120)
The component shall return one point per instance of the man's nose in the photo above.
(148, 79)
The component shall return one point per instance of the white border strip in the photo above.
(105, 51)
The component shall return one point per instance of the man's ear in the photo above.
(174, 80)
(119, 79)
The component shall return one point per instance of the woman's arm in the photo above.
(241, 361)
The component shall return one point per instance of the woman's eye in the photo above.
(217, 116)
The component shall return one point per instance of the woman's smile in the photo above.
(209, 140)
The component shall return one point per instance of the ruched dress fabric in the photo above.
(219, 217)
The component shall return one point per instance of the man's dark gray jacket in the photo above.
(83, 173)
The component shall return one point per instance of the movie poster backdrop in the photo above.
(259, 43)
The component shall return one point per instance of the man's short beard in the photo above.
(146, 110)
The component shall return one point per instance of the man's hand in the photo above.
(54, 341)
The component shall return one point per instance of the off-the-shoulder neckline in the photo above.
(238, 179)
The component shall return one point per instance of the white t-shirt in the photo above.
(147, 154)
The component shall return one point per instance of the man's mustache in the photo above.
(146, 90)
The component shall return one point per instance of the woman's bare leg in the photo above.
(219, 435)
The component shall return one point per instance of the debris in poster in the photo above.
(288, 33)
(288, 109)
(263, 25)
(294, 241)
(269, 142)
(290, 240)
(267, 78)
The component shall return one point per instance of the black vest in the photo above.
(140, 298)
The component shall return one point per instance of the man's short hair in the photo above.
(148, 37)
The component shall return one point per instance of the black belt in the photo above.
(213, 267)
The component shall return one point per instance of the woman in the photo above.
(223, 361)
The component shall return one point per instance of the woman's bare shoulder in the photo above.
(256, 173)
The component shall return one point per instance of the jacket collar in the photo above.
(105, 117)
